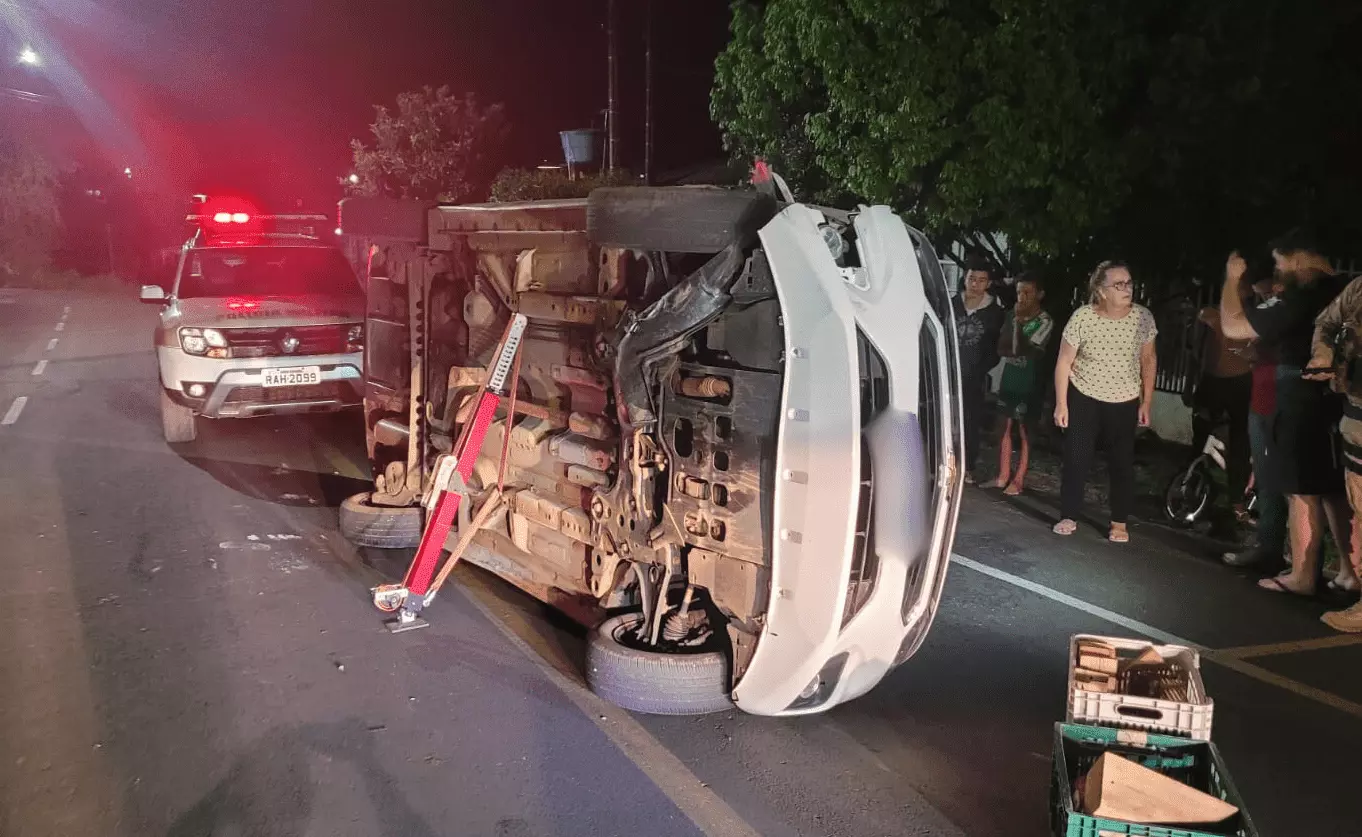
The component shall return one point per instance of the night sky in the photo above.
(261, 95)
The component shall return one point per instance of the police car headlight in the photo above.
(192, 341)
(214, 338)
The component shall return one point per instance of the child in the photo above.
(1026, 330)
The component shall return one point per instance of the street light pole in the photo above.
(612, 105)
(648, 94)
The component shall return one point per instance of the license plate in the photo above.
(293, 376)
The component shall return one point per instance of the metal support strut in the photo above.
(448, 489)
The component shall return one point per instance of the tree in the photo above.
(528, 185)
(29, 220)
(436, 146)
(1149, 130)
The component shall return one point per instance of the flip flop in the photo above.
(1274, 584)
(1065, 527)
(1115, 536)
(1335, 587)
(1012, 491)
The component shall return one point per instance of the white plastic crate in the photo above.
(1188, 720)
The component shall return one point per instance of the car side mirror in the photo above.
(153, 295)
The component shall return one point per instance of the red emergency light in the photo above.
(225, 216)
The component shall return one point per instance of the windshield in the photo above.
(266, 271)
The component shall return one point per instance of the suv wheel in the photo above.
(677, 219)
(177, 421)
(381, 527)
(654, 682)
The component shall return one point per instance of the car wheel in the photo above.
(177, 421)
(382, 527)
(677, 219)
(654, 682)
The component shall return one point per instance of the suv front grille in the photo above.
(267, 395)
(929, 403)
(865, 563)
(269, 342)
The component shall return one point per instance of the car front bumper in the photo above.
(233, 387)
(864, 503)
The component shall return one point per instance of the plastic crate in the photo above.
(1196, 763)
(1191, 719)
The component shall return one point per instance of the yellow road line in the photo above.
(339, 462)
(1234, 663)
(1295, 687)
(1244, 652)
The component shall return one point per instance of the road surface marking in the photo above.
(61, 326)
(38, 370)
(1231, 660)
(52, 344)
(339, 462)
(1078, 604)
(66, 309)
(14, 410)
(701, 805)
(1244, 652)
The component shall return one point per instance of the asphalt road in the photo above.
(187, 648)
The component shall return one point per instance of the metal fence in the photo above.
(1176, 312)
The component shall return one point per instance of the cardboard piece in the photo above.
(1119, 789)
(1094, 681)
(1092, 662)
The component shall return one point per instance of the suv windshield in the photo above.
(266, 271)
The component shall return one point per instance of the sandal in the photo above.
(1121, 535)
(1335, 587)
(1066, 527)
(1012, 490)
(1274, 584)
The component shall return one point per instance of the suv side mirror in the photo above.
(153, 294)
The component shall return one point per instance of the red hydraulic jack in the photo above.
(419, 587)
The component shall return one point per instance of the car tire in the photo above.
(690, 219)
(381, 527)
(177, 421)
(653, 682)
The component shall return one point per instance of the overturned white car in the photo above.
(733, 453)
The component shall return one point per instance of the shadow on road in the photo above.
(280, 485)
(269, 788)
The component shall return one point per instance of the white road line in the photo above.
(38, 370)
(66, 309)
(52, 344)
(61, 326)
(1077, 604)
(701, 805)
(1230, 658)
(14, 410)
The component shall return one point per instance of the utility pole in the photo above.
(648, 95)
(612, 106)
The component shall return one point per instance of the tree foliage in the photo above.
(1160, 129)
(534, 184)
(435, 146)
(29, 220)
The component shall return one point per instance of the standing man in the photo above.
(1340, 326)
(978, 322)
(1308, 470)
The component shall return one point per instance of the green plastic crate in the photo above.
(1195, 763)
